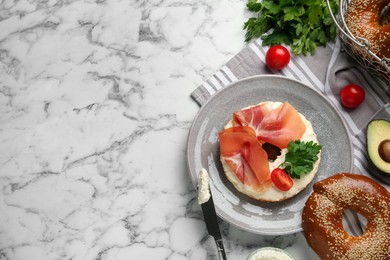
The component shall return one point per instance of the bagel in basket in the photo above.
(365, 19)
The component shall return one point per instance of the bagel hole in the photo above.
(384, 17)
(272, 151)
(354, 223)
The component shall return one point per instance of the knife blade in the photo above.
(206, 202)
(210, 218)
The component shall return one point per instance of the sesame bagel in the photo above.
(322, 218)
(363, 19)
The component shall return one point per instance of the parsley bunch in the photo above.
(303, 24)
(300, 158)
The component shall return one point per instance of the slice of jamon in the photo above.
(244, 155)
(276, 126)
(251, 116)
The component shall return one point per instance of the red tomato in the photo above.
(281, 179)
(352, 96)
(277, 57)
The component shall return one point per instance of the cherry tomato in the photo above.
(352, 96)
(281, 179)
(277, 57)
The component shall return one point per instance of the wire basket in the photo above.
(359, 48)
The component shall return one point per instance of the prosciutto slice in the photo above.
(241, 145)
(276, 126)
(244, 154)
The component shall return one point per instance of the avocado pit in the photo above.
(384, 150)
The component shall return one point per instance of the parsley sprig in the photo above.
(300, 158)
(303, 24)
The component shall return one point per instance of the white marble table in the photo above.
(95, 110)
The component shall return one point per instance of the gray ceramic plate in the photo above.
(203, 150)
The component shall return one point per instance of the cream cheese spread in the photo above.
(269, 254)
(203, 187)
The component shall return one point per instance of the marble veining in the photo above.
(95, 110)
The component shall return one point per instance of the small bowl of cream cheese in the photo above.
(269, 253)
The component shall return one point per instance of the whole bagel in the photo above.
(363, 19)
(322, 218)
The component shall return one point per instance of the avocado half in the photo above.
(378, 144)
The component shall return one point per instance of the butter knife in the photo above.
(210, 218)
(209, 214)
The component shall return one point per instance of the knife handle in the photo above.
(221, 249)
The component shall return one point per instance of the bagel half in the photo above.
(272, 193)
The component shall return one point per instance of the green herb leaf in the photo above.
(254, 6)
(303, 24)
(300, 158)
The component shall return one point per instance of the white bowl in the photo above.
(270, 253)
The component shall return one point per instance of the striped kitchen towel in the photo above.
(327, 71)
